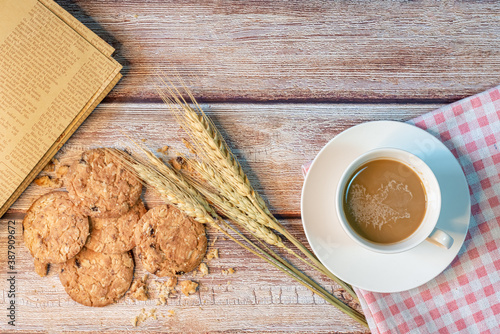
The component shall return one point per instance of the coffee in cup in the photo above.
(384, 201)
(388, 200)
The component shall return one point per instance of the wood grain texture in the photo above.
(271, 140)
(302, 50)
(280, 79)
(256, 297)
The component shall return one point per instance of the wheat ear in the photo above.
(212, 148)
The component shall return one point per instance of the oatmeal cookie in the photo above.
(168, 242)
(101, 186)
(115, 235)
(54, 228)
(96, 279)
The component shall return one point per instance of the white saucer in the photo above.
(339, 253)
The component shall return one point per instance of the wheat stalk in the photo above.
(211, 147)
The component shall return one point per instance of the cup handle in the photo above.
(440, 238)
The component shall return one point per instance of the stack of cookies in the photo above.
(91, 229)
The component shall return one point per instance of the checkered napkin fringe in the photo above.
(465, 298)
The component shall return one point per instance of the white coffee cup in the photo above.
(427, 229)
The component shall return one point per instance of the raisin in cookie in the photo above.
(97, 279)
(54, 228)
(168, 242)
(101, 186)
(115, 235)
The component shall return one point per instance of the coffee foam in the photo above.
(379, 209)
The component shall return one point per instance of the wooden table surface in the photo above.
(280, 79)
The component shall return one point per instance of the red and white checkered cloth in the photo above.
(465, 298)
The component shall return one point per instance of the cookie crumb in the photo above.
(163, 296)
(163, 150)
(42, 269)
(61, 171)
(171, 313)
(143, 316)
(49, 167)
(176, 163)
(213, 254)
(46, 181)
(139, 318)
(213, 242)
(166, 289)
(203, 269)
(139, 289)
(229, 271)
(43, 181)
(188, 287)
(172, 282)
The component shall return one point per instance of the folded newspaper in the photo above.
(53, 72)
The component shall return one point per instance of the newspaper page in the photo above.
(51, 77)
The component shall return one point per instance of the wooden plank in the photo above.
(256, 297)
(302, 51)
(271, 140)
